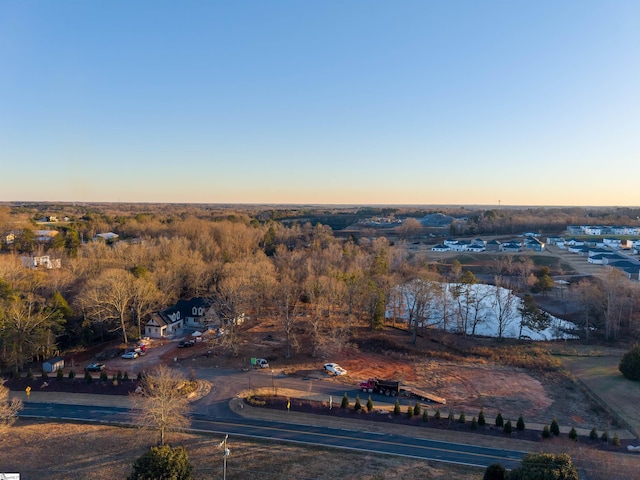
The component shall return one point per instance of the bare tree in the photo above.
(109, 298)
(162, 405)
(8, 408)
(504, 304)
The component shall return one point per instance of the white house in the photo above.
(440, 248)
(43, 261)
(196, 313)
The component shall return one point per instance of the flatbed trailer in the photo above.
(422, 395)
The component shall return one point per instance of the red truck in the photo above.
(385, 387)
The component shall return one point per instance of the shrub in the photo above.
(103, 376)
(72, 374)
(425, 415)
(481, 420)
(119, 376)
(255, 402)
(499, 420)
(495, 471)
(437, 415)
(546, 432)
(409, 412)
(555, 428)
(462, 418)
(345, 401)
(396, 408)
(474, 424)
(87, 377)
(139, 377)
(520, 423)
(125, 377)
(605, 436)
(543, 466)
(417, 410)
(59, 374)
(630, 364)
(15, 374)
(29, 374)
(451, 417)
(369, 404)
(45, 375)
(573, 434)
(616, 440)
(593, 434)
(115, 382)
(357, 406)
(162, 462)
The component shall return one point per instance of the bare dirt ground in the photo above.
(48, 450)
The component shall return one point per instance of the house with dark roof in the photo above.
(494, 246)
(196, 313)
(533, 243)
(511, 247)
(440, 248)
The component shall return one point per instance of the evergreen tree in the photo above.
(437, 415)
(593, 434)
(546, 432)
(630, 364)
(573, 434)
(345, 401)
(409, 412)
(474, 424)
(357, 407)
(369, 404)
(417, 410)
(425, 415)
(462, 418)
(396, 408)
(555, 428)
(499, 420)
(520, 423)
(508, 428)
(481, 420)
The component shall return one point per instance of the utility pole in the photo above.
(223, 445)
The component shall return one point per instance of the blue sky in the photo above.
(331, 102)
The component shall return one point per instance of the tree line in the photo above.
(309, 282)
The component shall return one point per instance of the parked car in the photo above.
(335, 369)
(130, 355)
(95, 367)
(186, 343)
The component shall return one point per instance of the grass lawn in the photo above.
(601, 375)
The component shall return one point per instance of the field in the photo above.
(599, 371)
(57, 451)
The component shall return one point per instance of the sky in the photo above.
(398, 102)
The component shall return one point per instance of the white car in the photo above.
(130, 355)
(335, 369)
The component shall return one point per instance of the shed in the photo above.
(53, 365)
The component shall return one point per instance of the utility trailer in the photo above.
(422, 395)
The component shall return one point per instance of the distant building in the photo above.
(43, 261)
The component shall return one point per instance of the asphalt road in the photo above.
(233, 424)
